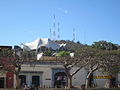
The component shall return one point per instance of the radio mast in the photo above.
(50, 34)
(54, 31)
(58, 31)
(74, 34)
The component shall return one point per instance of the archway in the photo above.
(60, 80)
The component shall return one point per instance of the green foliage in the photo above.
(28, 54)
(110, 53)
(108, 60)
(104, 45)
(87, 52)
(63, 54)
(48, 52)
(5, 52)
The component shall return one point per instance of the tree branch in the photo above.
(92, 70)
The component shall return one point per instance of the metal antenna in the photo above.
(50, 34)
(58, 31)
(54, 32)
(74, 34)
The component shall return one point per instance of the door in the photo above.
(60, 80)
(36, 81)
(9, 80)
(22, 80)
(2, 81)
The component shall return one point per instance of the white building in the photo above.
(45, 74)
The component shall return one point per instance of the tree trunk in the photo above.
(87, 83)
(113, 80)
(88, 76)
(17, 81)
(87, 80)
(70, 82)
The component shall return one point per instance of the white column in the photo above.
(28, 79)
(40, 76)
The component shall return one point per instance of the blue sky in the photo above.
(23, 21)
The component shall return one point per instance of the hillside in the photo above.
(70, 45)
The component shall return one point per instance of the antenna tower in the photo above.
(58, 31)
(50, 34)
(74, 34)
(54, 32)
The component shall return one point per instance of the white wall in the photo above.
(46, 76)
(119, 78)
(100, 82)
(79, 78)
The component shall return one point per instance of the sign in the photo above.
(48, 79)
(101, 77)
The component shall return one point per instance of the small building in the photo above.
(46, 73)
(6, 78)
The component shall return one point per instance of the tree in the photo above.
(16, 58)
(21, 57)
(112, 61)
(63, 54)
(111, 65)
(89, 55)
(106, 60)
(69, 63)
(105, 45)
(85, 57)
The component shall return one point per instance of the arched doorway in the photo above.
(60, 80)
